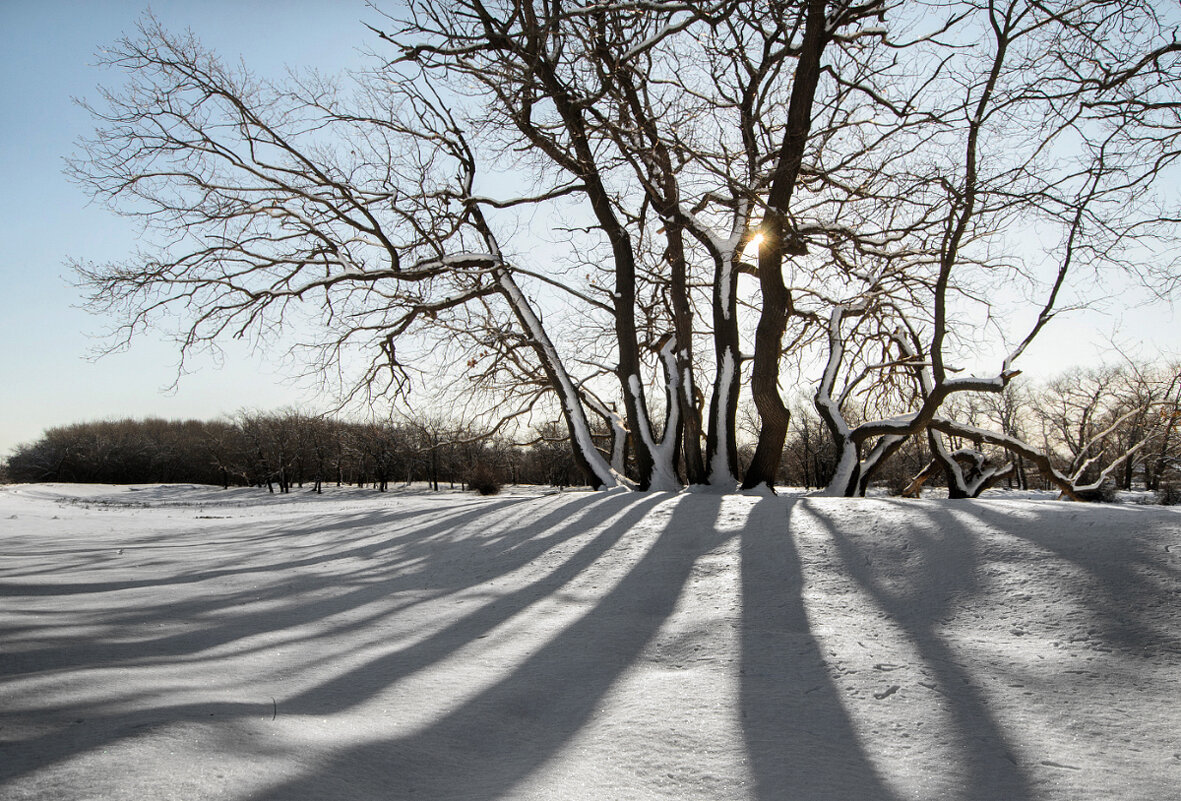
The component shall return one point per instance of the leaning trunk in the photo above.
(586, 455)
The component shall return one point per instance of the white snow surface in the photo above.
(188, 642)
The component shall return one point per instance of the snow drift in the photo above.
(187, 642)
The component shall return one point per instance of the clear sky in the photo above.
(47, 52)
(47, 56)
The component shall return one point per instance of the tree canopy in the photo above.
(633, 215)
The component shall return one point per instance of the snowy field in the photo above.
(180, 642)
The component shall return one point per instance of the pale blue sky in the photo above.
(47, 51)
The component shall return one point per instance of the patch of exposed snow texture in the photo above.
(190, 642)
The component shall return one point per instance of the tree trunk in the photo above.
(778, 242)
(683, 332)
(721, 442)
(586, 455)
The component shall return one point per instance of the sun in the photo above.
(751, 251)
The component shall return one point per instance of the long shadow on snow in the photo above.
(349, 688)
(498, 738)
(147, 552)
(281, 537)
(799, 738)
(219, 617)
(498, 552)
(298, 591)
(940, 560)
(1129, 585)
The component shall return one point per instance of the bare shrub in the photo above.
(484, 480)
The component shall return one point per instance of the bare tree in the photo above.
(1001, 180)
(875, 155)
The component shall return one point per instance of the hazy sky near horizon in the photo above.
(47, 58)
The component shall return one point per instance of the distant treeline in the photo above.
(1120, 426)
(285, 450)
(282, 450)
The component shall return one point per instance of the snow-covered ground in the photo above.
(182, 642)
